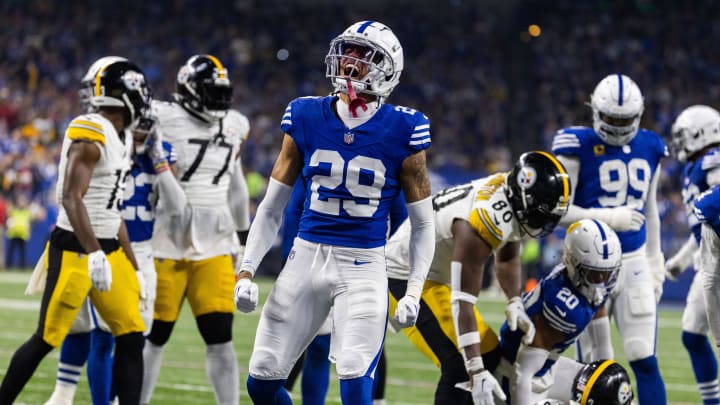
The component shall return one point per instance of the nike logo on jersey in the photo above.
(560, 311)
(360, 262)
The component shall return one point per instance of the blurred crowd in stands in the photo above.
(490, 89)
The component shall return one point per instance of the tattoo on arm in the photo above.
(414, 177)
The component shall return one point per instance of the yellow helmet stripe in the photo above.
(588, 387)
(97, 79)
(218, 65)
(565, 177)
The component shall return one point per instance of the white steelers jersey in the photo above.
(482, 203)
(205, 155)
(107, 184)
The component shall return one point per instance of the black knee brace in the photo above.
(215, 327)
(160, 332)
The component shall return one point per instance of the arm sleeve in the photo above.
(528, 362)
(265, 227)
(422, 244)
(171, 193)
(239, 198)
(599, 330)
(575, 213)
(652, 217)
(709, 248)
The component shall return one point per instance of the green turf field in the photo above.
(411, 378)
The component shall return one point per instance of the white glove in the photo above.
(246, 295)
(517, 317)
(622, 219)
(483, 387)
(100, 271)
(154, 140)
(144, 291)
(407, 311)
(657, 269)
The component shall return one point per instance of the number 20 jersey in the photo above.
(106, 188)
(612, 176)
(205, 155)
(351, 175)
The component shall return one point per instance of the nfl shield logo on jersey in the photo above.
(349, 138)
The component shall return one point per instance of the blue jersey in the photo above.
(694, 182)
(138, 205)
(612, 176)
(351, 175)
(565, 309)
(707, 208)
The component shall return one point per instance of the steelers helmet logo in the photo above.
(526, 177)
(133, 80)
(624, 393)
(183, 74)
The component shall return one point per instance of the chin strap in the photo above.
(355, 101)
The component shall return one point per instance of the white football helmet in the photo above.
(380, 51)
(87, 83)
(593, 256)
(695, 128)
(617, 105)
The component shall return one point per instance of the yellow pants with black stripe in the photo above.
(208, 285)
(434, 336)
(68, 284)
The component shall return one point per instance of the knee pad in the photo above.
(637, 348)
(263, 365)
(215, 327)
(160, 333)
(350, 365)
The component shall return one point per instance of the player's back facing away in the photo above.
(612, 176)
(105, 191)
(351, 175)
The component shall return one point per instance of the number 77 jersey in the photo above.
(612, 176)
(206, 152)
(351, 175)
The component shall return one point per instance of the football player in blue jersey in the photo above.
(355, 153)
(707, 210)
(695, 141)
(90, 338)
(615, 168)
(314, 363)
(89, 251)
(561, 306)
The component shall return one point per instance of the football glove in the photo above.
(517, 317)
(407, 311)
(657, 269)
(246, 295)
(620, 219)
(100, 271)
(484, 387)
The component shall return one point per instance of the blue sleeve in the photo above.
(566, 142)
(169, 152)
(707, 207)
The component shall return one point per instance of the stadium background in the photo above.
(491, 89)
(491, 86)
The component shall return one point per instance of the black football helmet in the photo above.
(602, 382)
(121, 84)
(204, 88)
(538, 188)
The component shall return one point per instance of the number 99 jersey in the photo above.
(205, 162)
(351, 176)
(613, 176)
(482, 203)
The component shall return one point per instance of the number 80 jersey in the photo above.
(351, 175)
